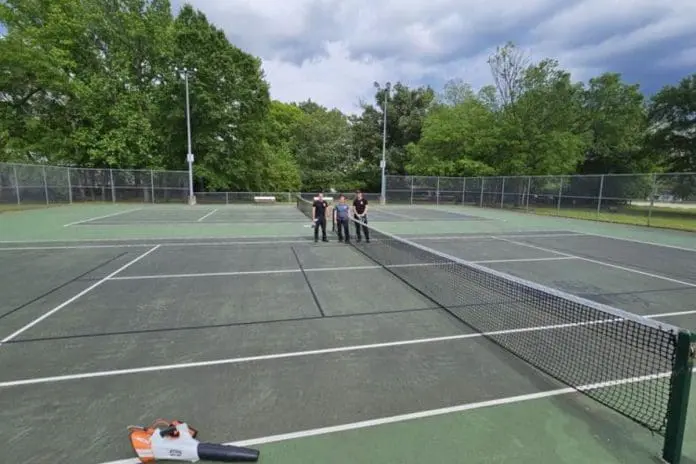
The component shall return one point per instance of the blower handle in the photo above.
(226, 453)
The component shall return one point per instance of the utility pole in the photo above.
(383, 163)
(189, 154)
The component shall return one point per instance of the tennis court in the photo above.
(235, 321)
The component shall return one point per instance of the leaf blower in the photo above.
(176, 441)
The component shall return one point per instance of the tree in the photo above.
(617, 121)
(458, 140)
(323, 148)
(508, 65)
(542, 131)
(672, 131)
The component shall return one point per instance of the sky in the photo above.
(333, 51)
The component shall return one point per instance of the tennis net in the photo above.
(305, 206)
(636, 366)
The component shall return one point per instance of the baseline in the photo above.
(101, 217)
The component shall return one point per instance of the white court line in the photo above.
(603, 263)
(70, 300)
(127, 239)
(142, 245)
(296, 354)
(416, 238)
(381, 211)
(323, 269)
(101, 217)
(208, 215)
(272, 239)
(427, 413)
(524, 260)
(664, 245)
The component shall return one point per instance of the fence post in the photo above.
(14, 170)
(601, 190)
(152, 185)
(113, 187)
(45, 182)
(483, 180)
(411, 200)
(653, 192)
(502, 193)
(529, 190)
(437, 192)
(463, 190)
(560, 194)
(69, 186)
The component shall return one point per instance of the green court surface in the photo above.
(232, 319)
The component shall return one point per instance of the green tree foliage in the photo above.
(672, 132)
(617, 121)
(99, 83)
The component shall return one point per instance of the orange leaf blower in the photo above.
(176, 441)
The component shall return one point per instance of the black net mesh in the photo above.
(619, 359)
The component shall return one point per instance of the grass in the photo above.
(660, 217)
(7, 208)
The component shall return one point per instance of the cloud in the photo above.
(333, 50)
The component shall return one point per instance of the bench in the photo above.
(264, 199)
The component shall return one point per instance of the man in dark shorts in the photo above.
(360, 215)
(342, 217)
(319, 209)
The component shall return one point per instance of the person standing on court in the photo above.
(319, 209)
(342, 212)
(360, 214)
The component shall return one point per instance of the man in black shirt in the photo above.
(360, 215)
(319, 208)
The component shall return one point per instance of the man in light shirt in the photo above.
(342, 217)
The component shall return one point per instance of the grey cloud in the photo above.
(434, 40)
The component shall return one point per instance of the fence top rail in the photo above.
(547, 176)
(83, 168)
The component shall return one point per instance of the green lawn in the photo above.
(5, 208)
(661, 217)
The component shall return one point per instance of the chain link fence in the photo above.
(38, 184)
(25, 184)
(660, 200)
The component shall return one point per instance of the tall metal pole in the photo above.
(189, 155)
(383, 164)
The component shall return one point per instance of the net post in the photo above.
(679, 397)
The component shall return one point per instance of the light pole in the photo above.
(383, 163)
(189, 154)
